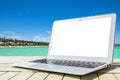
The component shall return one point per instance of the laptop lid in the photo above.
(87, 38)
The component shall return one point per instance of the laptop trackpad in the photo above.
(45, 66)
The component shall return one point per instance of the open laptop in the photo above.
(78, 46)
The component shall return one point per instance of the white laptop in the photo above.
(78, 46)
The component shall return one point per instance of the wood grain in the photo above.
(12, 73)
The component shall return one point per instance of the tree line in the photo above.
(117, 44)
(15, 42)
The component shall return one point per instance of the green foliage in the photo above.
(15, 42)
(117, 44)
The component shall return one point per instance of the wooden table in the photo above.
(10, 73)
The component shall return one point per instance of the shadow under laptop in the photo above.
(114, 68)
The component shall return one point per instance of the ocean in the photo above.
(37, 51)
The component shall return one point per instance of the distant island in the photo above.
(8, 42)
(117, 44)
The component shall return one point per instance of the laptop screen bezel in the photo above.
(108, 59)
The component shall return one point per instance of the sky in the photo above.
(32, 19)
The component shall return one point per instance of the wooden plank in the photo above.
(22, 76)
(1, 73)
(39, 76)
(117, 76)
(2, 69)
(71, 77)
(116, 60)
(112, 69)
(13, 69)
(14, 59)
(90, 77)
(8, 67)
(54, 76)
(107, 77)
(8, 75)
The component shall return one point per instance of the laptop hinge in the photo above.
(109, 65)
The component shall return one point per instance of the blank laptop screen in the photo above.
(87, 37)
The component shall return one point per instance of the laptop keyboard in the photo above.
(73, 63)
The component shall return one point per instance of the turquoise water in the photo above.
(37, 51)
(117, 52)
(24, 51)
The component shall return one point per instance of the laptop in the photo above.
(78, 46)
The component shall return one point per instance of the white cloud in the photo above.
(117, 41)
(49, 32)
(14, 37)
(41, 38)
(2, 35)
(9, 33)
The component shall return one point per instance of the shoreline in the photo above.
(19, 46)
